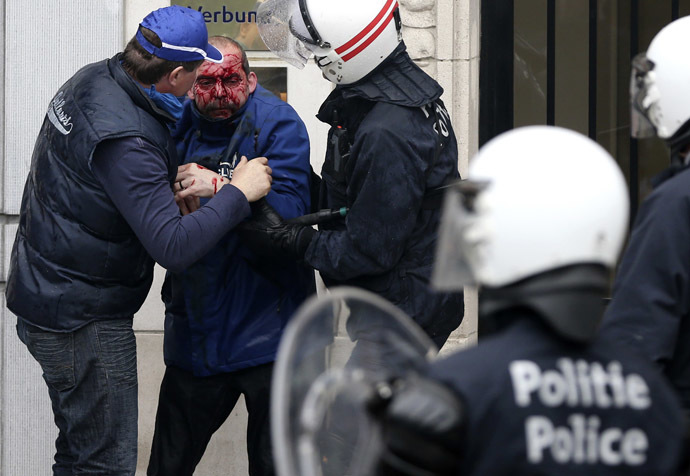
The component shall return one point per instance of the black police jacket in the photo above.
(536, 404)
(75, 259)
(390, 145)
(650, 308)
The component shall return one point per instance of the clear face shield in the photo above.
(460, 238)
(286, 29)
(643, 97)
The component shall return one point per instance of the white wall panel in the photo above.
(135, 11)
(307, 89)
(151, 316)
(46, 42)
(28, 431)
(2, 96)
(8, 232)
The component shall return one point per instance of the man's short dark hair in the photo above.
(147, 68)
(220, 41)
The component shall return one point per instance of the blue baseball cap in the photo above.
(183, 33)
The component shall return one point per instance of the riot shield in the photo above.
(339, 357)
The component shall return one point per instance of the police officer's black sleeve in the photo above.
(385, 190)
(134, 175)
(652, 288)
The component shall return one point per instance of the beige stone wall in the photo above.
(443, 38)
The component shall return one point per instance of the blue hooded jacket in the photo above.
(227, 312)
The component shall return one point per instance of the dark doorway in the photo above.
(567, 63)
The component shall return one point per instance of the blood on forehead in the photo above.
(232, 63)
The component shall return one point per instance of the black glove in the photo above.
(292, 239)
(264, 215)
(268, 235)
(422, 430)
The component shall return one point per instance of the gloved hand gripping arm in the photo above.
(269, 235)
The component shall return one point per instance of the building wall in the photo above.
(44, 43)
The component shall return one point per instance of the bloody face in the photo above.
(222, 89)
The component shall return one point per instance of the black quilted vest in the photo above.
(75, 259)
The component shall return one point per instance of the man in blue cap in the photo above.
(99, 207)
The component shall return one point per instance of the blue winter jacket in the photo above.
(227, 312)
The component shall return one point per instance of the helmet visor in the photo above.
(458, 242)
(284, 31)
(641, 101)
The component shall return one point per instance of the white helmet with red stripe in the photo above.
(348, 38)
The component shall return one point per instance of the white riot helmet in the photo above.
(348, 38)
(659, 96)
(536, 199)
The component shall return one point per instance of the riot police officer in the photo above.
(538, 225)
(650, 307)
(390, 147)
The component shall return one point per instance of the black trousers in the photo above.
(191, 409)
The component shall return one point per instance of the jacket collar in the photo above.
(214, 127)
(130, 86)
(398, 80)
